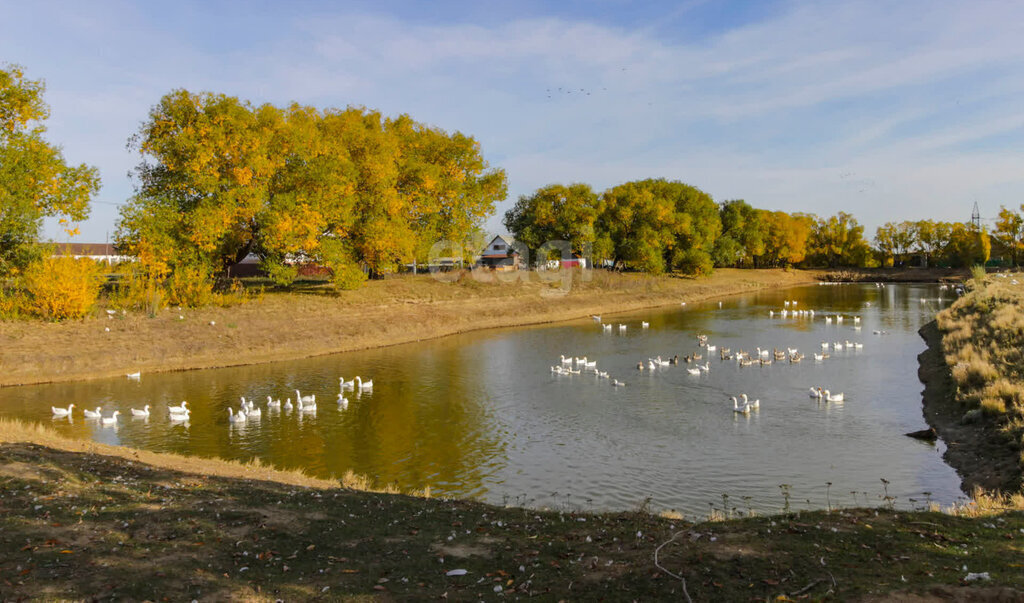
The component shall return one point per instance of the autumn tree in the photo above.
(931, 238)
(347, 189)
(35, 181)
(786, 237)
(895, 240)
(1010, 232)
(967, 246)
(555, 213)
(839, 241)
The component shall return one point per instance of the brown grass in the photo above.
(290, 325)
(983, 339)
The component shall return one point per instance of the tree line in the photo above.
(657, 225)
(364, 194)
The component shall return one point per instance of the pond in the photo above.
(483, 416)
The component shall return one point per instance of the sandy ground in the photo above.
(284, 326)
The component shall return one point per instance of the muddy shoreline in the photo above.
(981, 455)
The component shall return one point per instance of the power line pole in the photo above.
(976, 217)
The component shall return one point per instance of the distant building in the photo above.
(499, 254)
(100, 252)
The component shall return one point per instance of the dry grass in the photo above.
(312, 321)
(983, 339)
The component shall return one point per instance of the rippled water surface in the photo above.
(481, 415)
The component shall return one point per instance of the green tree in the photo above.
(931, 238)
(35, 181)
(743, 235)
(1010, 232)
(555, 213)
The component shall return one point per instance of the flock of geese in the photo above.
(248, 410)
(573, 365)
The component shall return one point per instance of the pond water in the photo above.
(482, 416)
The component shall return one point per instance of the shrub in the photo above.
(59, 288)
(190, 286)
(137, 291)
(347, 277)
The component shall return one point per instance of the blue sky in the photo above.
(891, 111)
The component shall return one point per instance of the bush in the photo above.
(59, 288)
(347, 277)
(137, 291)
(191, 287)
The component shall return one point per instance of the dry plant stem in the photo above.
(662, 568)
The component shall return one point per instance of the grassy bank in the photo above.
(983, 346)
(99, 523)
(290, 325)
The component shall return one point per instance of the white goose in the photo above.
(62, 412)
(645, 325)
(749, 404)
(693, 371)
(288, 404)
(136, 375)
(93, 414)
(272, 403)
(364, 385)
(235, 418)
(606, 327)
(111, 420)
(840, 397)
(706, 367)
(141, 413)
(617, 383)
(342, 402)
(815, 392)
(303, 407)
(349, 385)
(736, 408)
(252, 412)
(622, 328)
(310, 398)
(178, 410)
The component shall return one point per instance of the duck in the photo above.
(111, 420)
(693, 371)
(93, 414)
(840, 397)
(349, 385)
(177, 410)
(617, 383)
(62, 412)
(310, 398)
(236, 418)
(368, 385)
(748, 403)
(141, 413)
(736, 408)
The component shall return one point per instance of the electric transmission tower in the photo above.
(976, 217)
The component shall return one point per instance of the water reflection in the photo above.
(482, 415)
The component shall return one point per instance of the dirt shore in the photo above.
(980, 454)
(287, 326)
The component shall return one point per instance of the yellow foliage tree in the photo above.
(61, 288)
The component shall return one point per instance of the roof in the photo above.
(85, 249)
(509, 240)
(500, 255)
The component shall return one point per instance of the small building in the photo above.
(499, 254)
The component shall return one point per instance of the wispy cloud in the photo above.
(919, 98)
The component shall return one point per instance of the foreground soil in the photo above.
(982, 455)
(291, 325)
(82, 526)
